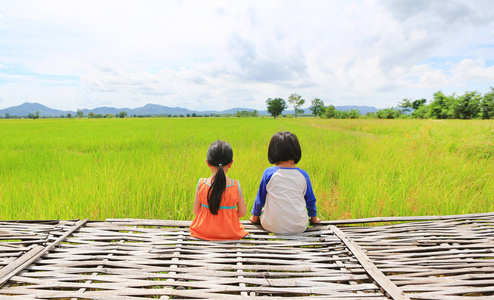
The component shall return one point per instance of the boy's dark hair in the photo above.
(218, 153)
(284, 146)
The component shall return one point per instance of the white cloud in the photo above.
(221, 54)
(429, 77)
(62, 97)
(472, 70)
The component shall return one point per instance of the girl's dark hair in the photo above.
(218, 153)
(284, 146)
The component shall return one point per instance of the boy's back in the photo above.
(285, 209)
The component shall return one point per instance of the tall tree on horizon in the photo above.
(297, 101)
(276, 106)
(317, 107)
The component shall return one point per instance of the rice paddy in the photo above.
(148, 168)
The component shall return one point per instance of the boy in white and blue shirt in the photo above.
(285, 199)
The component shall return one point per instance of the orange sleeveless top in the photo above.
(226, 224)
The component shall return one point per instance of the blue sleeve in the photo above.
(239, 190)
(310, 198)
(262, 192)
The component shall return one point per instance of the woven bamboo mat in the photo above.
(449, 257)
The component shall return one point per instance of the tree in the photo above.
(246, 114)
(91, 115)
(276, 106)
(406, 105)
(420, 112)
(331, 112)
(297, 102)
(371, 115)
(33, 116)
(122, 114)
(7, 115)
(439, 107)
(418, 103)
(343, 114)
(388, 113)
(80, 113)
(317, 107)
(467, 106)
(487, 105)
(354, 114)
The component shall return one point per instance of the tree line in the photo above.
(123, 114)
(276, 107)
(470, 105)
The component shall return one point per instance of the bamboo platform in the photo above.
(434, 257)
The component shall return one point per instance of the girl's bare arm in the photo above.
(197, 203)
(241, 207)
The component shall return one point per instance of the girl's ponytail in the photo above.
(216, 191)
(219, 154)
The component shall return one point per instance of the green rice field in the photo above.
(149, 168)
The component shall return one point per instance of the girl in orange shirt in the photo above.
(218, 202)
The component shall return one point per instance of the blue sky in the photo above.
(205, 55)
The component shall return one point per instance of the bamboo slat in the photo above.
(387, 285)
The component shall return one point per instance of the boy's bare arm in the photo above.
(254, 219)
(314, 220)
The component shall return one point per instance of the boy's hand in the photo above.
(254, 219)
(314, 220)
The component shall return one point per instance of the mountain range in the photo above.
(27, 108)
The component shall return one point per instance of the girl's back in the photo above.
(223, 226)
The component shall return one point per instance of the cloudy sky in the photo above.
(218, 55)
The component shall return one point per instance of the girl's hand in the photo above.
(254, 219)
(314, 220)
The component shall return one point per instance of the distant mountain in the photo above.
(104, 110)
(27, 108)
(361, 109)
(31, 108)
(155, 109)
(234, 111)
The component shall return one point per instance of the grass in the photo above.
(148, 168)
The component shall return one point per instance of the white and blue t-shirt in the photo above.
(287, 198)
